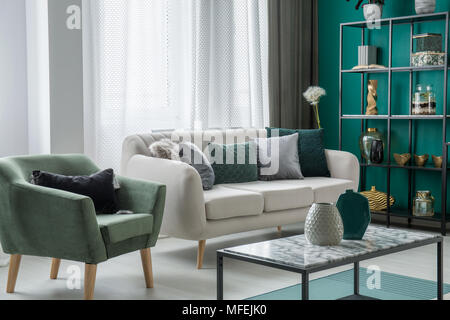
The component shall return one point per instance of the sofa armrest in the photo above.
(343, 165)
(53, 223)
(185, 215)
(142, 196)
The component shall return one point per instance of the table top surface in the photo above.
(298, 253)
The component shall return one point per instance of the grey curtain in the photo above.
(293, 61)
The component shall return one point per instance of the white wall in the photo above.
(13, 79)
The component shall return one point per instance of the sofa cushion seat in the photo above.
(223, 203)
(326, 190)
(277, 195)
(117, 228)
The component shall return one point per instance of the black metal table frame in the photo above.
(351, 260)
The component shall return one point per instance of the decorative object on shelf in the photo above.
(423, 204)
(402, 159)
(367, 55)
(368, 67)
(372, 98)
(424, 101)
(428, 42)
(313, 96)
(437, 161)
(323, 226)
(377, 152)
(378, 199)
(372, 10)
(355, 213)
(421, 161)
(425, 6)
(429, 58)
(366, 140)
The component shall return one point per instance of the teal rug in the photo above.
(333, 287)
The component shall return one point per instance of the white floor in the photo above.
(176, 276)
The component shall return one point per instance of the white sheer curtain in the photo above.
(171, 64)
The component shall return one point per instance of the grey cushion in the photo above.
(278, 158)
(192, 155)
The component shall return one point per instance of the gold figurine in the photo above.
(372, 98)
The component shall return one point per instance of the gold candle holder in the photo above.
(437, 161)
(402, 159)
(421, 161)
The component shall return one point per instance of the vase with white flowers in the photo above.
(313, 96)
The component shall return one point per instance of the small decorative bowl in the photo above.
(402, 159)
(437, 161)
(421, 161)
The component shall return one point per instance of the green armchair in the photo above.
(45, 222)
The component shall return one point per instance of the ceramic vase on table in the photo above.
(355, 213)
(425, 6)
(323, 226)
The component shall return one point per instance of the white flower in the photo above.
(313, 95)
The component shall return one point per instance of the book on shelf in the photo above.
(370, 66)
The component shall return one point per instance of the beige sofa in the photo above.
(194, 214)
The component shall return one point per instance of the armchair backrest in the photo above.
(15, 169)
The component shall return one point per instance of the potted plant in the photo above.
(373, 10)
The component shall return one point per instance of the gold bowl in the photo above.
(437, 161)
(402, 159)
(421, 161)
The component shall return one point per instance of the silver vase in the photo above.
(425, 6)
(323, 226)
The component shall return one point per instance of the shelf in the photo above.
(394, 117)
(396, 69)
(407, 215)
(402, 20)
(396, 166)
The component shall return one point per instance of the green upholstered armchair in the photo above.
(45, 222)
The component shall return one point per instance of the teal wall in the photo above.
(427, 135)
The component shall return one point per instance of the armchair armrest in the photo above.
(343, 165)
(142, 196)
(185, 215)
(54, 223)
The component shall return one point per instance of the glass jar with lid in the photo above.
(424, 100)
(423, 204)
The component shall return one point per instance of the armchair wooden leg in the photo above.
(55, 268)
(200, 253)
(280, 228)
(90, 273)
(14, 265)
(146, 258)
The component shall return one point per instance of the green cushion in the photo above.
(311, 151)
(242, 171)
(117, 228)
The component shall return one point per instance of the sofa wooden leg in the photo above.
(14, 265)
(146, 257)
(280, 228)
(55, 268)
(200, 253)
(90, 272)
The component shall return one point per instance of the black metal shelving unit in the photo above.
(440, 217)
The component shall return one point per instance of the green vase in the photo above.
(355, 213)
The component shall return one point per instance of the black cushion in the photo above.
(99, 187)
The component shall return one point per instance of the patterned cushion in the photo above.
(311, 151)
(239, 166)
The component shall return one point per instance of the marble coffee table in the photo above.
(295, 254)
